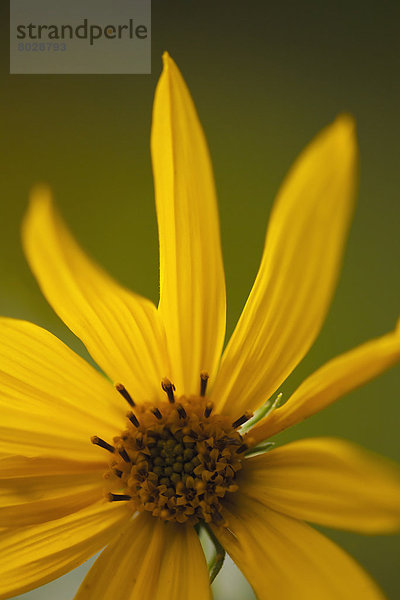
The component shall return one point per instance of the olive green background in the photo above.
(265, 79)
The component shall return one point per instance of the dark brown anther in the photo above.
(242, 448)
(208, 409)
(245, 417)
(133, 419)
(217, 517)
(204, 377)
(181, 411)
(118, 473)
(142, 471)
(232, 441)
(220, 444)
(124, 455)
(118, 497)
(139, 441)
(124, 393)
(169, 389)
(157, 413)
(223, 442)
(99, 442)
(193, 434)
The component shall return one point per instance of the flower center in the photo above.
(177, 460)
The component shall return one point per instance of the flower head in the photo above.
(174, 440)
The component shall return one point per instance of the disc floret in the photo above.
(177, 460)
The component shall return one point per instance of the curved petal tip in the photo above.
(40, 192)
(166, 58)
(346, 121)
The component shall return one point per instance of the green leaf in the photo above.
(217, 557)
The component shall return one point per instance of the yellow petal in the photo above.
(329, 482)
(36, 555)
(51, 400)
(34, 490)
(192, 296)
(150, 560)
(332, 381)
(122, 331)
(285, 558)
(298, 272)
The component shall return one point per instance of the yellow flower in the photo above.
(186, 457)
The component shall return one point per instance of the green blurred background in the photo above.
(265, 78)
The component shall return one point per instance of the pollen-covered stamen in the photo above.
(125, 394)
(245, 417)
(178, 467)
(169, 389)
(204, 377)
(99, 442)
